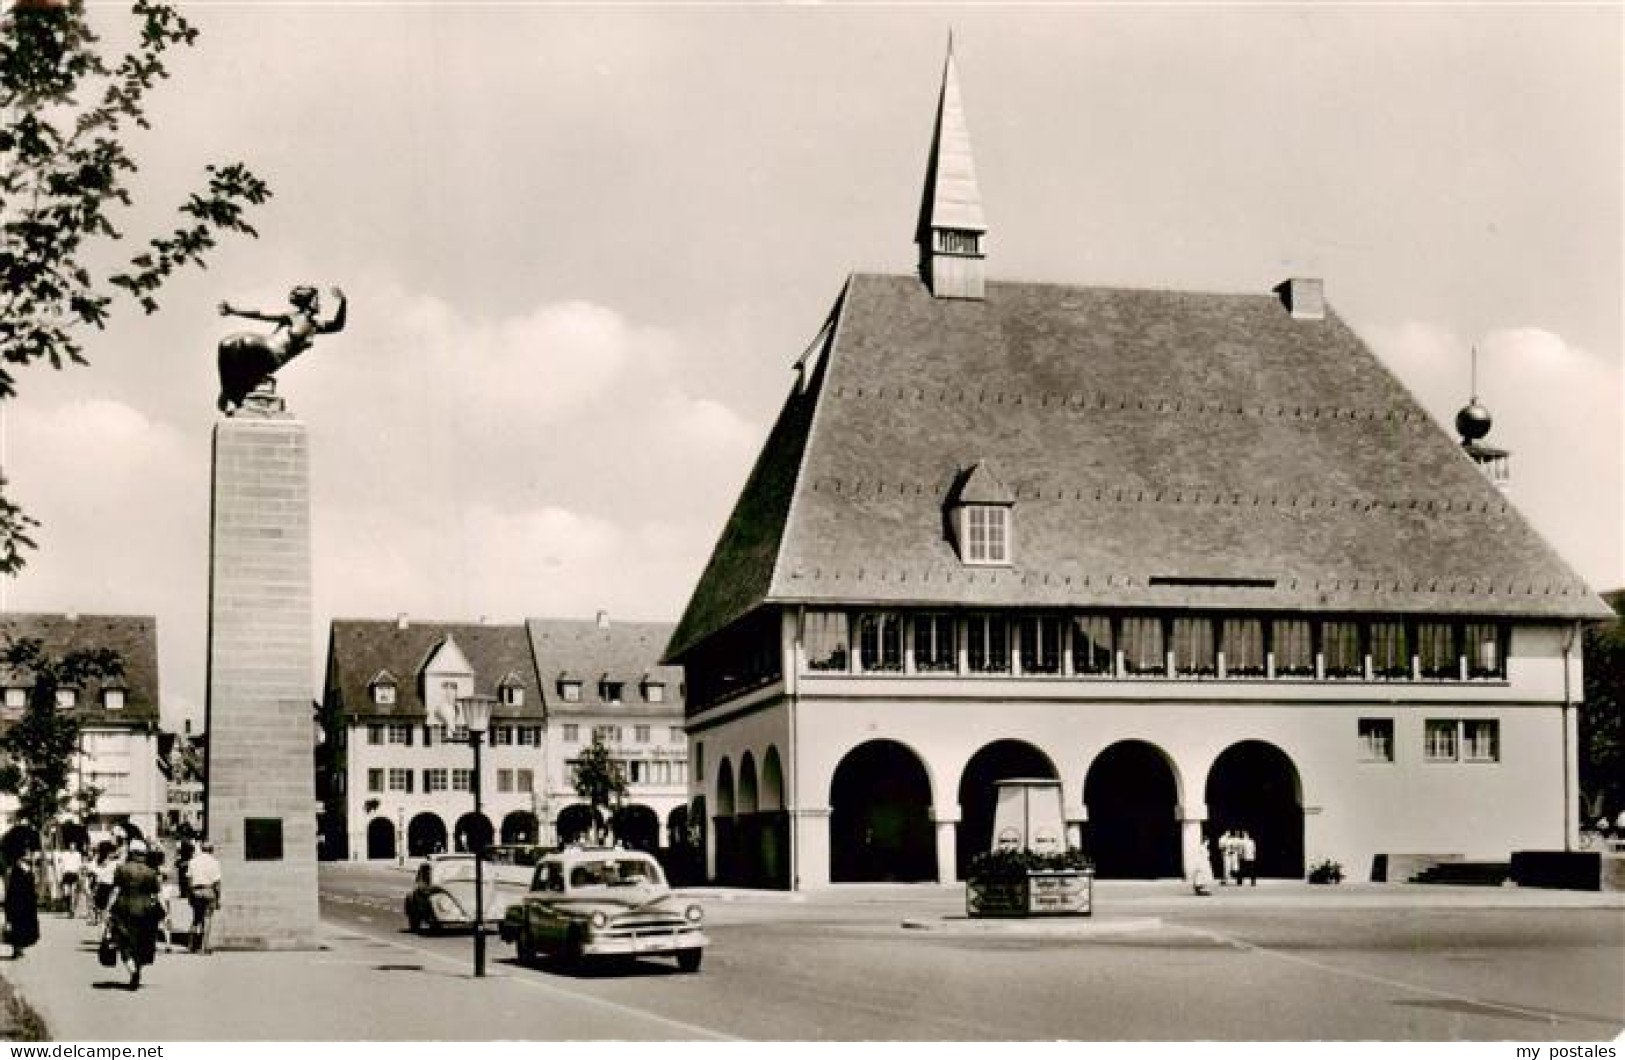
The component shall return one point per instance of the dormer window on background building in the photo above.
(16, 698)
(611, 691)
(511, 695)
(112, 699)
(654, 691)
(569, 690)
(67, 698)
(383, 691)
(980, 511)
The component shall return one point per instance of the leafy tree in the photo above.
(66, 113)
(41, 744)
(1602, 715)
(600, 783)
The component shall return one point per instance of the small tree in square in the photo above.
(601, 784)
(40, 745)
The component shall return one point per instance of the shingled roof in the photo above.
(134, 638)
(361, 648)
(1164, 449)
(590, 652)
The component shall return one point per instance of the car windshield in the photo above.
(454, 871)
(615, 872)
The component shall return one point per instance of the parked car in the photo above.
(589, 903)
(442, 895)
(513, 864)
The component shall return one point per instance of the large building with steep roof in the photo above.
(119, 717)
(1198, 556)
(395, 779)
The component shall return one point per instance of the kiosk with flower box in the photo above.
(1030, 871)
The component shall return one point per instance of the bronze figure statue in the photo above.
(248, 359)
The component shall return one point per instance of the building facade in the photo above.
(118, 759)
(394, 772)
(1199, 557)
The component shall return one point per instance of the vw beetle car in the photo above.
(442, 894)
(587, 903)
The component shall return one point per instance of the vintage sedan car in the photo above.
(442, 895)
(588, 903)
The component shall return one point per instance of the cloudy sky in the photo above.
(583, 247)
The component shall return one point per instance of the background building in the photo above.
(390, 781)
(1200, 557)
(119, 717)
(604, 679)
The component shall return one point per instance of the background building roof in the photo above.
(590, 652)
(133, 637)
(1158, 445)
(360, 648)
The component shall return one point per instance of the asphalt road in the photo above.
(1237, 967)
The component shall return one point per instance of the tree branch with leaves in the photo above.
(40, 745)
(66, 113)
(600, 783)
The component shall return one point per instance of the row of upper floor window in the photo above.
(1443, 740)
(406, 781)
(1250, 647)
(15, 698)
(384, 692)
(407, 734)
(640, 770)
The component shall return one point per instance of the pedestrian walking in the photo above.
(102, 881)
(1249, 859)
(1202, 874)
(204, 875)
(134, 911)
(1230, 856)
(71, 866)
(21, 904)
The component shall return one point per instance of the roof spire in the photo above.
(951, 234)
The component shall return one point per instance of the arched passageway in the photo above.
(1254, 787)
(880, 816)
(1000, 760)
(425, 835)
(380, 839)
(1132, 795)
(723, 826)
(637, 827)
(575, 823)
(472, 832)
(520, 826)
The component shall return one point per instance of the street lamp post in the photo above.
(476, 718)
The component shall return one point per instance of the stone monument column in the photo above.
(261, 802)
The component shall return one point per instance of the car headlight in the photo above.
(693, 914)
(599, 920)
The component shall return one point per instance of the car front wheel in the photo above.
(689, 960)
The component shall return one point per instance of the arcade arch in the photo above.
(1132, 795)
(1253, 786)
(880, 816)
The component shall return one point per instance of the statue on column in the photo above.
(249, 360)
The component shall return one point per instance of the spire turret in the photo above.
(951, 235)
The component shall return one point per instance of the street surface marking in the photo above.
(1381, 980)
(614, 1006)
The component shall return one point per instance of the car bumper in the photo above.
(632, 943)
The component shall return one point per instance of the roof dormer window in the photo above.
(985, 534)
(16, 698)
(654, 691)
(67, 698)
(611, 691)
(511, 695)
(569, 690)
(979, 509)
(382, 688)
(113, 699)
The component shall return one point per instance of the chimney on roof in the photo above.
(603, 620)
(72, 616)
(401, 620)
(1303, 297)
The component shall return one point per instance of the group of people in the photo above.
(125, 889)
(1238, 861)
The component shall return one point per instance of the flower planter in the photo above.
(1040, 892)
